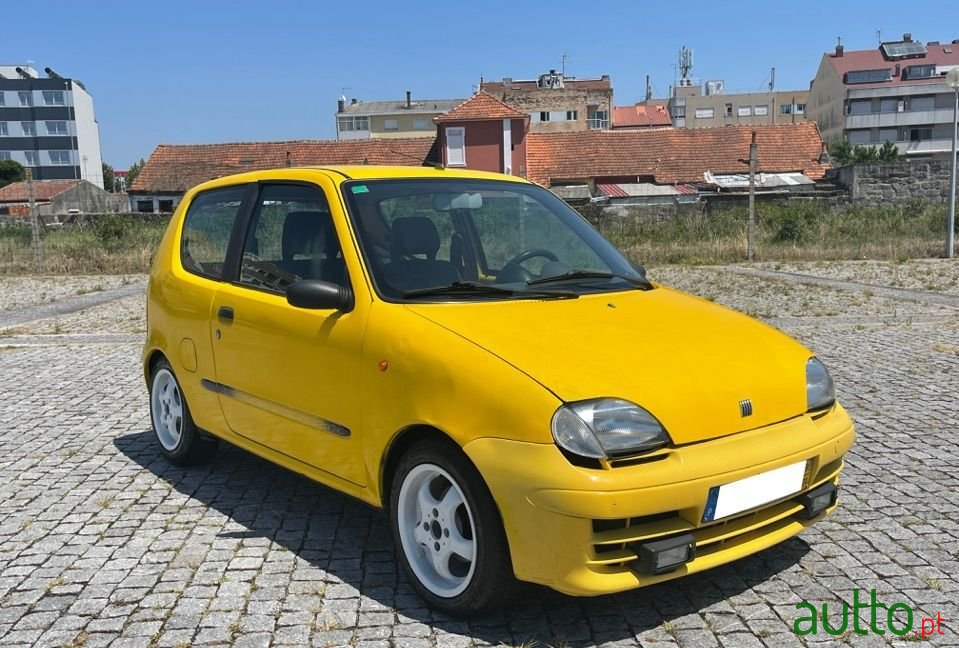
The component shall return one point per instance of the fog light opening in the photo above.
(818, 500)
(661, 556)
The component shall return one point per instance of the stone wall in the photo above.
(895, 183)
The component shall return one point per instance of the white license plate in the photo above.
(744, 494)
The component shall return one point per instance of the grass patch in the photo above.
(794, 231)
(111, 245)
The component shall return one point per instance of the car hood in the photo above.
(688, 361)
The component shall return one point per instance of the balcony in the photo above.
(597, 124)
(893, 119)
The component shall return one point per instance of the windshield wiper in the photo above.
(470, 287)
(590, 274)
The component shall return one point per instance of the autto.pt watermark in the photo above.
(898, 619)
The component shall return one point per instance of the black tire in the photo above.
(189, 446)
(492, 581)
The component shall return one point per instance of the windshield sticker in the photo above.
(358, 189)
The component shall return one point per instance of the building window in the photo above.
(26, 99)
(456, 146)
(3, 129)
(744, 111)
(544, 116)
(704, 113)
(920, 134)
(859, 137)
(53, 98)
(761, 111)
(29, 129)
(800, 109)
(56, 128)
(889, 105)
(597, 119)
(729, 110)
(919, 72)
(572, 115)
(421, 124)
(353, 124)
(391, 125)
(4, 155)
(3, 102)
(32, 158)
(60, 158)
(922, 103)
(786, 109)
(145, 206)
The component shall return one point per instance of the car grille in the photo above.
(611, 538)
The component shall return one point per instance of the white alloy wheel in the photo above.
(166, 409)
(436, 530)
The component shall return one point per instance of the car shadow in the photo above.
(351, 542)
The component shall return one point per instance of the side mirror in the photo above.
(317, 294)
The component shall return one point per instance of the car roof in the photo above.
(342, 173)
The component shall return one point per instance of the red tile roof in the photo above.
(874, 60)
(672, 155)
(641, 115)
(481, 106)
(176, 168)
(42, 190)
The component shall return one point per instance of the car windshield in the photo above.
(418, 235)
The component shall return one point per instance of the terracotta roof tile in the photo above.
(646, 115)
(873, 59)
(481, 106)
(42, 190)
(176, 168)
(672, 155)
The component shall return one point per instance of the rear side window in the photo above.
(207, 229)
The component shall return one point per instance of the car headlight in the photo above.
(600, 428)
(820, 392)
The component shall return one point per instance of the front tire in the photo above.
(448, 531)
(180, 440)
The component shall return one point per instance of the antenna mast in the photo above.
(564, 57)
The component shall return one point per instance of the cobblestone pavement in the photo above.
(104, 543)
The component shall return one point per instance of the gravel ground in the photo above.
(21, 292)
(103, 543)
(937, 275)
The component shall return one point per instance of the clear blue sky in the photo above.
(205, 71)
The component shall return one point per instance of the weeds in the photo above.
(112, 245)
(795, 231)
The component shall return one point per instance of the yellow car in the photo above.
(464, 351)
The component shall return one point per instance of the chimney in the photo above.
(907, 37)
(824, 155)
(341, 104)
(409, 101)
(839, 50)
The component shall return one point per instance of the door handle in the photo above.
(225, 313)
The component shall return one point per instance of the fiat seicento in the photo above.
(466, 352)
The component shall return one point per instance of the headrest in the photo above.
(303, 231)
(414, 235)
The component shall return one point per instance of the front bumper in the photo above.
(571, 528)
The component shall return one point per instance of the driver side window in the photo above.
(291, 237)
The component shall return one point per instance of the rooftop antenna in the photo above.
(649, 88)
(879, 36)
(564, 57)
(772, 79)
(685, 65)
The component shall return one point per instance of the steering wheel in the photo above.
(513, 271)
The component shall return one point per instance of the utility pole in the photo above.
(952, 80)
(34, 221)
(752, 199)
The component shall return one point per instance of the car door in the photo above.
(287, 377)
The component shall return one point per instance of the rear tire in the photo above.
(448, 531)
(180, 440)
